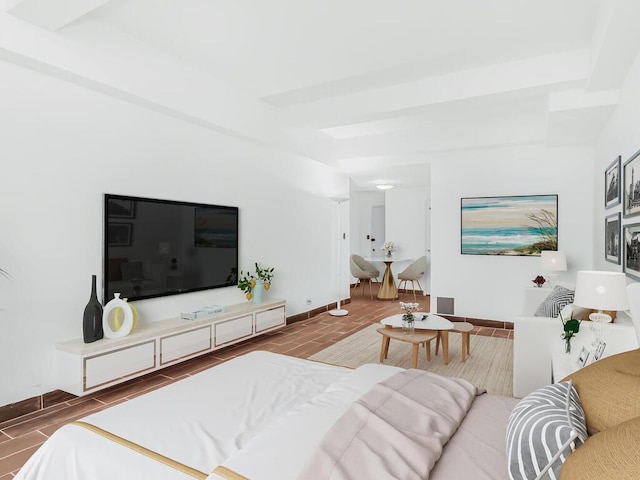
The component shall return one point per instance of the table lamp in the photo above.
(553, 261)
(601, 291)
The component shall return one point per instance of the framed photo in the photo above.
(120, 208)
(511, 225)
(631, 186)
(119, 234)
(612, 238)
(631, 253)
(583, 357)
(600, 346)
(612, 184)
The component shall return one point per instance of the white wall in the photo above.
(492, 287)
(620, 136)
(360, 205)
(406, 225)
(64, 146)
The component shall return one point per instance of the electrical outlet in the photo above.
(308, 301)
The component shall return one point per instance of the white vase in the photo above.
(258, 292)
(127, 323)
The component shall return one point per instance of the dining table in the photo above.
(388, 289)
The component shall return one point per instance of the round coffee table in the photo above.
(424, 321)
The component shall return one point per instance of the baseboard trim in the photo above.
(479, 322)
(316, 311)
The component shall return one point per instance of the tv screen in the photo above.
(154, 248)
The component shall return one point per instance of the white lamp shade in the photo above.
(601, 290)
(553, 261)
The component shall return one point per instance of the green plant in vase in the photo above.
(247, 280)
(265, 275)
(571, 328)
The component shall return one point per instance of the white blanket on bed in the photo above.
(397, 430)
(199, 421)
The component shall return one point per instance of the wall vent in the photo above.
(444, 305)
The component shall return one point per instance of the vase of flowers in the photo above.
(539, 281)
(571, 327)
(408, 320)
(388, 248)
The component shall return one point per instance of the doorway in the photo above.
(377, 230)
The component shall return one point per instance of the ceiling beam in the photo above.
(551, 71)
(51, 14)
(616, 43)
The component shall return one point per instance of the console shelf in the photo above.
(83, 368)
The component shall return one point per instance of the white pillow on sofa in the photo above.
(551, 306)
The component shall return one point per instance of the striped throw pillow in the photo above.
(559, 298)
(543, 430)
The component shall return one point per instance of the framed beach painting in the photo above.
(631, 186)
(612, 238)
(631, 254)
(510, 225)
(612, 184)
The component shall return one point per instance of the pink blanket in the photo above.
(395, 431)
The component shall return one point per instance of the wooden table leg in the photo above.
(414, 357)
(427, 345)
(464, 346)
(384, 350)
(444, 334)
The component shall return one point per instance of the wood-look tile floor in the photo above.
(20, 437)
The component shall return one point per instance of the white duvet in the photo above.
(199, 421)
(261, 415)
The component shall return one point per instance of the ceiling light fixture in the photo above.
(384, 186)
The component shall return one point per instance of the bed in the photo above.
(267, 416)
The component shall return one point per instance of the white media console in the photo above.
(82, 368)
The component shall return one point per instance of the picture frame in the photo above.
(583, 357)
(121, 208)
(612, 190)
(119, 234)
(612, 238)
(631, 186)
(631, 251)
(599, 350)
(517, 225)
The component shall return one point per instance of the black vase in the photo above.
(92, 320)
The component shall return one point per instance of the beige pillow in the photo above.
(609, 390)
(611, 454)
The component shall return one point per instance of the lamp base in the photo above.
(600, 317)
(338, 312)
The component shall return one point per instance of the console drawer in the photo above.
(119, 364)
(270, 319)
(182, 345)
(233, 329)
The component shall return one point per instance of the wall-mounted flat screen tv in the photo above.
(154, 248)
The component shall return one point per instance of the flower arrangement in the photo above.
(247, 280)
(571, 327)
(539, 281)
(389, 248)
(409, 307)
(407, 316)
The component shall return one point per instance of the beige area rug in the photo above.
(490, 365)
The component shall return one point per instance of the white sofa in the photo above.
(537, 339)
